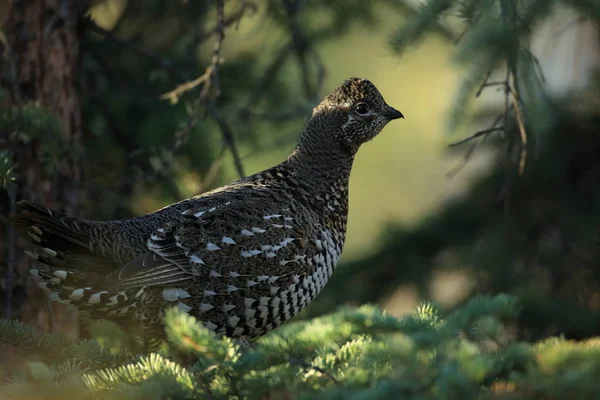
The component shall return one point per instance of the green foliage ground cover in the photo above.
(351, 354)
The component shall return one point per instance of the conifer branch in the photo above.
(226, 130)
(521, 124)
(235, 18)
(505, 192)
(210, 90)
(228, 138)
(486, 84)
(450, 174)
(476, 135)
(537, 64)
(174, 95)
(209, 79)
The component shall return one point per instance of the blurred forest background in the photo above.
(115, 108)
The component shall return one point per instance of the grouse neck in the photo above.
(321, 166)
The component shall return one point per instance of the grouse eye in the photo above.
(362, 109)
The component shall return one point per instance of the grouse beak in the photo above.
(391, 113)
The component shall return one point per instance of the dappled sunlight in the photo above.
(449, 287)
(403, 301)
(106, 13)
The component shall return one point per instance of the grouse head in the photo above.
(354, 113)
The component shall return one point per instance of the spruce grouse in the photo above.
(242, 258)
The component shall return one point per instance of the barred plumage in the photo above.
(243, 258)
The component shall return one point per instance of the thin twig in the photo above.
(212, 172)
(216, 59)
(228, 138)
(461, 35)
(302, 363)
(174, 95)
(489, 84)
(182, 135)
(516, 99)
(506, 92)
(209, 77)
(464, 32)
(452, 173)
(226, 131)
(476, 135)
(210, 90)
(538, 66)
(232, 19)
(484, 83)
(505, 192)
(522, 132)
(509, 17)
(497, 120)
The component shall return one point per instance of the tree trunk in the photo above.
(39, 59)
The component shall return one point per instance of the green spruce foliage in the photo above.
(351, 354)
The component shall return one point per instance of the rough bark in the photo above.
(39, 59)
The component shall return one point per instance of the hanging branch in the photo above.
(505, 192)
(512, 98)
(228, 138)
(521, 125)
(208, 84)
(174, 95)
(211, 89)
(485, 133)
(226, 131)
(476, 135)
(510, 17)
(208, 81)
